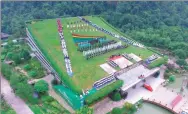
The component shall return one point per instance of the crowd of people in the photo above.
(112, 63)
(64, 48)
(127, 56)
(104, 81)
(129, 41)
(151, 58)
(101, 50)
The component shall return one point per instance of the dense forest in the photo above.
(156, 24)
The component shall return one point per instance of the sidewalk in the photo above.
(14, 101)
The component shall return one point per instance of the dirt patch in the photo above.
(58, 48)
(21, 70)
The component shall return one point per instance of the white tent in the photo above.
(135, 57)
(107, 68)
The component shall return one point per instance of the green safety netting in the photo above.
(72, 98)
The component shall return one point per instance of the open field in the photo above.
(86, 72)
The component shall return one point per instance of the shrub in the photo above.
(9, 55)
(116, 111)
(181, 62)
(158, 62)
(27, 67)
(14, 80)
(36, 109)
(47, 99)
(25, 91)
(85, 110)
(54, 82)
(40, 73)
(172, 78)
(180, 53)
(103, 92)
(41, 86)
(32, 74)
(167, 75)
(186, 67)
(16, 58)
(115, 96)
(32, 100)
(6, 70)
(130, 107)
(25, 54)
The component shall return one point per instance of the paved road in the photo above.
(14, 101)
(106, 105)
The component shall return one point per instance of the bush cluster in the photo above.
(158, 62)
(103, 92)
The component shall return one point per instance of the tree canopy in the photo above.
(41, 86)
(158, 24)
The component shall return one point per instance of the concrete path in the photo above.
(106, 105)
(14, 101)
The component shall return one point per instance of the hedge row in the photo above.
(158, 62)
(65, 78)
(103, 92)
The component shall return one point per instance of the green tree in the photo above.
(32, 73)
(181, 62)
(172, 78)
(9, 55)
(27, 67)
(116, 111)
(41, 86)
(16, 58)
(180, 53)
(25, 91)
(25, 54)
(6, 70)
(85, 110)
(116, 96)
(128, 105)
(14, 81)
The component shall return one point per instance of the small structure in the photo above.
(4, 36)
(135, 57)
(32, 55)
(9, 62)
(107, 68)
(4, 44)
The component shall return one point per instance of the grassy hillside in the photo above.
(86, 72)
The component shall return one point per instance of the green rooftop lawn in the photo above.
(86, 72)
